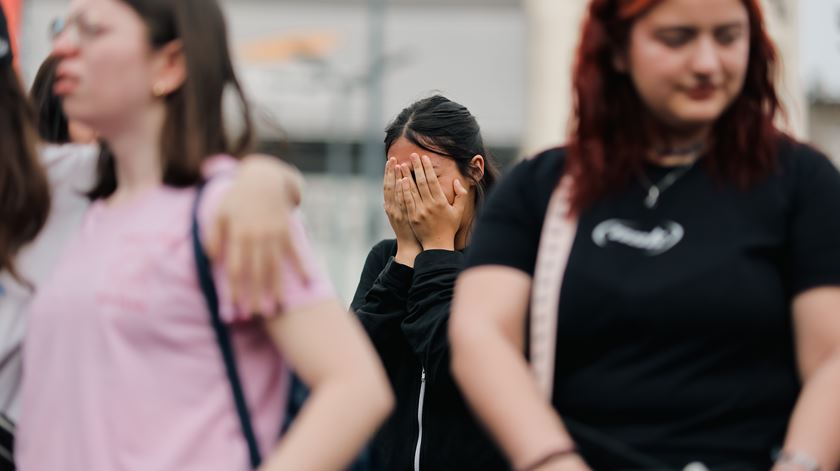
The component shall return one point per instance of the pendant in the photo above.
(652, 197)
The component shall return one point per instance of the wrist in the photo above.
(557, 454)
(275, 172)
(449, 247)
(795, 461)
(406, 253)
(443, 243)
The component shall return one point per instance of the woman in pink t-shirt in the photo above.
(126, 373)
(51, 181)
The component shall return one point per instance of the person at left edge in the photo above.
(55, 177)
(122, 369)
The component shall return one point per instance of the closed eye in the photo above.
(676, 37)
(729, 34)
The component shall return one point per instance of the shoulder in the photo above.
(554, 157)
(531, 181)
(71, 165)
(80, 154)
(546, 165)
(801, 159)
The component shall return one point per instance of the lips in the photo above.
(703, 92)
(65, 83)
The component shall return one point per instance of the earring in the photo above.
(159, 90)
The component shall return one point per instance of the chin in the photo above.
(700, 111)
(73, 108)
(696, 118)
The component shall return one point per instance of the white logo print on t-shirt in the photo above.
(658, 240)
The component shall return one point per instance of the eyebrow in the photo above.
(733, 25)
(692, 28)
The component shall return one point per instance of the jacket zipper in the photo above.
(420, 419)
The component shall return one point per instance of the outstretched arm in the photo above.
(487, 338)
(814, 430)
(350, 395)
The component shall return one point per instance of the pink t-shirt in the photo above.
(122, 371)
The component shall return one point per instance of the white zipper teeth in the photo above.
(420, 419)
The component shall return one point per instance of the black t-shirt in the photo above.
(675, 327)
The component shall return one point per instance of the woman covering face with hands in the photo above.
(422, 214)
(436, 177)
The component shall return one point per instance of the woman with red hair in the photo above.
(697, 250)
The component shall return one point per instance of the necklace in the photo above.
(655, 190)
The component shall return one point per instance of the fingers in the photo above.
(254, 265)
(276, 255)
(396, 174)
(410, 191)
(410, 197)
(260, 276)
(297, 262)
(215, 238)
(461, 196)
(389, 180)
(431, 177)
(399, 196)
(420, 176)
(237, 252)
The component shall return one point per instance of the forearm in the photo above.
(385, 298)
(429, 303)
(814, 428)
(521, 420)
(328, 434)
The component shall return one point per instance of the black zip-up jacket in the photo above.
(406, 313)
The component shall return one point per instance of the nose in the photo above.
(705, 60)
(64, 44)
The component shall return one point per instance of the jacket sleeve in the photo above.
(429, 301)
(380, 300)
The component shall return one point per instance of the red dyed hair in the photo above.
(611, 130)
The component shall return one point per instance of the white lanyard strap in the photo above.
(558, 234)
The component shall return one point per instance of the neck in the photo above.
(135, 145)
(678, 148)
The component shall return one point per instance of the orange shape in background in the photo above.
(13, 10)
(287, 47)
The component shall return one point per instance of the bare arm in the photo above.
(487, 336)
(350, 395)
(814, 429)
(250, 230)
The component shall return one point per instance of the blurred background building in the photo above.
(326, 76)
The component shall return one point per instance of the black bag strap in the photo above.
(208, 289)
